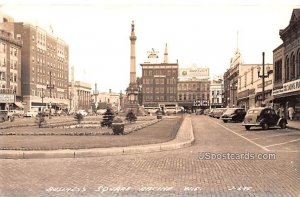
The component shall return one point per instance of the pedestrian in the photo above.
(280, 111)
(291, 112)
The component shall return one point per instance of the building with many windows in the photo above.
(249, 87)
(231, 80)
(193, 94)
(216, 93)
(159, 82)
(286, 58)
(45, 68)
(10, 65)
(82, 95)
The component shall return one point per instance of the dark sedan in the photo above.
(234, 114)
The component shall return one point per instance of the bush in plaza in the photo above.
(78, 117)
(108, 117)
(131, 117)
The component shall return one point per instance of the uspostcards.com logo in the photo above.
(236, 156)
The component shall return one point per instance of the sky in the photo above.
(203, 33)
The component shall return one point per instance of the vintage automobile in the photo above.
(233, 114)
(6, 116)
(263, 117)
(31, 113)
(219, 112)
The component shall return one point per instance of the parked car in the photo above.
(218, 112)
(263, 117)
(199, 112)
(6, 116)
(31, 113)
(233, 114)
(16, 112)
(3, 116)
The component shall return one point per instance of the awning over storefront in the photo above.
(19, 105)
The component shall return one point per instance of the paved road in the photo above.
(171, 173)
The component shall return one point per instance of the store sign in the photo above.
(7, 98)
(291, 86)
(194, 72)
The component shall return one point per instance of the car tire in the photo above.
(247, 127)
(225, 121)
(282, 125)
(265, 126)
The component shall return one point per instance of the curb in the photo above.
(177, 143)
(293, 128)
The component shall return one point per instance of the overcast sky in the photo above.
(197, 32)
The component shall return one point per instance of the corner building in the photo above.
(159, 82)
(286, 58)
(45, 68)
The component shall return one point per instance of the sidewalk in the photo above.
(184, 138)
(293, 124)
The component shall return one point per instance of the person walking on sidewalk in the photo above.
(281, 111)
(291, 112)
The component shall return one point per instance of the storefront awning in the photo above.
(19, 105)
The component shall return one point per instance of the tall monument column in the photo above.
(132, 55)
(132, 90)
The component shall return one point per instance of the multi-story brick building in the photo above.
(10, 65)
(45, 68)
(193, 88)
(286, 58)
(216, 93)
(193, 94)
(231, 80)
(249, 87)
(159, 82)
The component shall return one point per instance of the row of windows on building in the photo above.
(152, 98)
(198, 87)
(192, 97)
(41, 80)
(159, 81)
(12, 77)
(243, 79)
(149, 72)
(4, 86)
(13, 50)
(292, 67)
(41, 71)
(158, 90)
(42, 41)
(46, 94)
(43, 53)
(13, 63)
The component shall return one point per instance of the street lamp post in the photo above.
(263, 76)
(42, 96)
(233, 87)
(50, 87)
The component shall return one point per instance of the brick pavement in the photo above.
(178, 170)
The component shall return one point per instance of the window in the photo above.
(180, 97)
(293, 66)
(287, 69)
(278, 70)
(298, 63)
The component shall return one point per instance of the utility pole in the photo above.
(50, 87)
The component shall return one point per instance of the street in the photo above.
(273, 168)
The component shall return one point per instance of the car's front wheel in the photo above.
(282, 124)
(265, 126)
(225, 121)
(247, 127)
